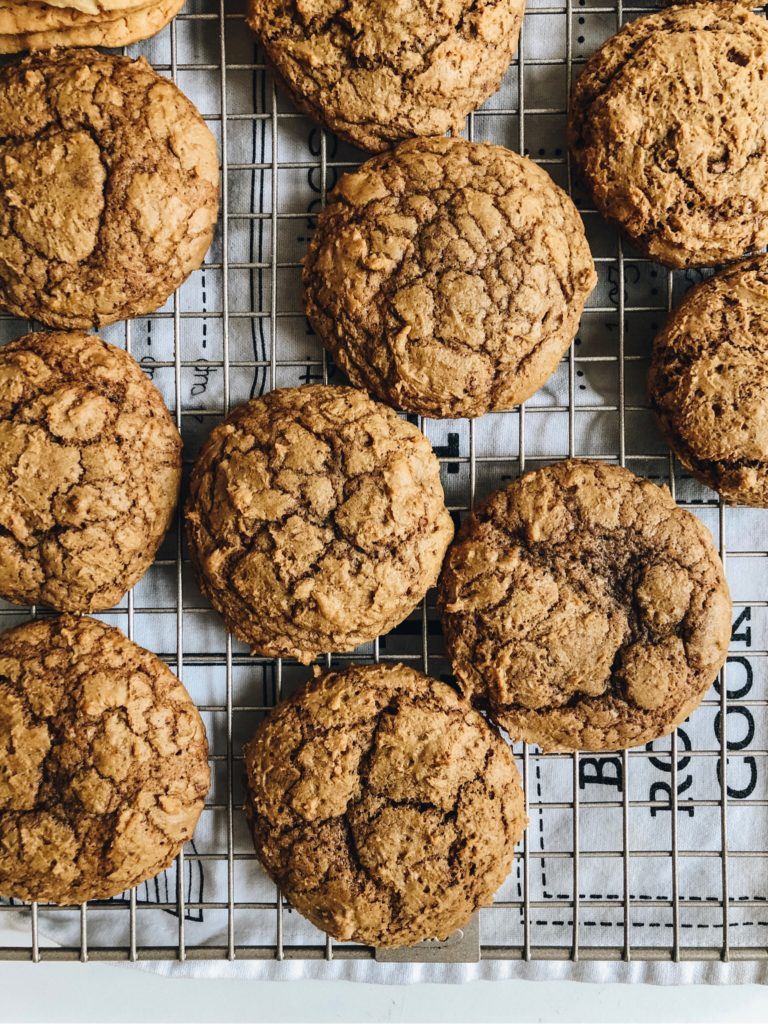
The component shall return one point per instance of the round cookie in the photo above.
(384, 807)
(667, 129)
(448, 277)
(38, 26)
(375, 72)
(90, 467)
(584, 609)
(708, 382)
(110, 180)
(316, 521)
(104, 770)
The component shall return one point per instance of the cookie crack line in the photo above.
(389, 265)
(572, 635)
(335, 520)
(159, 195)
(391, 813)
(115, 789)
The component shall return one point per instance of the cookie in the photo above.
(375, 72)
(584, 609)
(708, 382)
(104, 770)
(90, 466)
(316, 521)
(36, 26)
(448, 277)
(384, 807)
(109, 180)
(666, 127)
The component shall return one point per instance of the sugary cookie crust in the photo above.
(708, 382)
(39, 27)
(316, 520)
(668, 128)
(584, 609)
(109, 182)
(376, 72)
(90, 466)
(385, 808)
(105, 765)
(448, 277)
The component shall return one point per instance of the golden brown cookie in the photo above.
(104, 768)
(109, 179)
(709, 382)
(41, 26)
(375, 72)
(448, 277)
(316, 521)
(90, 466)
(384, 807)
(584, 609)
(667, 128)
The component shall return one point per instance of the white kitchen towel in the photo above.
(672, 901)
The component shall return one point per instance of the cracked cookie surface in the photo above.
(104, 768)
(41, 26)
(668, 127)
(90, 467)
(584, 609)
(383, 805)
(109, 186)
(316, 520)
(448, 277)
(375, 72)
(708, 382)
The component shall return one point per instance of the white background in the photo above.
(98, 992)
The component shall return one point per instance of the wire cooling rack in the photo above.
(656, 853)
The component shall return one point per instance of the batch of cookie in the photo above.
(581, 607)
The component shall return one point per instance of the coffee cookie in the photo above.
(376, 72)
(109, 179)
(667, 128)
(90, 466)
(41, 26)
(448, 277)
(584, 609)
(708, 382)
(316, 521)
(104, 770)
(384, 807)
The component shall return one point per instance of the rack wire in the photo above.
(237, 329)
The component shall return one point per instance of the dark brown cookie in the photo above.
(109, 184)
(376, 72)
(584, 609)
(316, 520)
(90, 466)
(709, 382)
(448, 277)
(667, 127)
(385, 808)
(104, 768)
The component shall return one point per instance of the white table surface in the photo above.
(98, 992)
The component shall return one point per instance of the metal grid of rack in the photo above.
(237, 329)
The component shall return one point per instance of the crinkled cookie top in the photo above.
(709, 382)
(108, 188)
(376, 72)
(669, 127)
(385, 808)
(584, 609)
(448, 277)
(316, 520)
(90, 466)
(104, 768)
